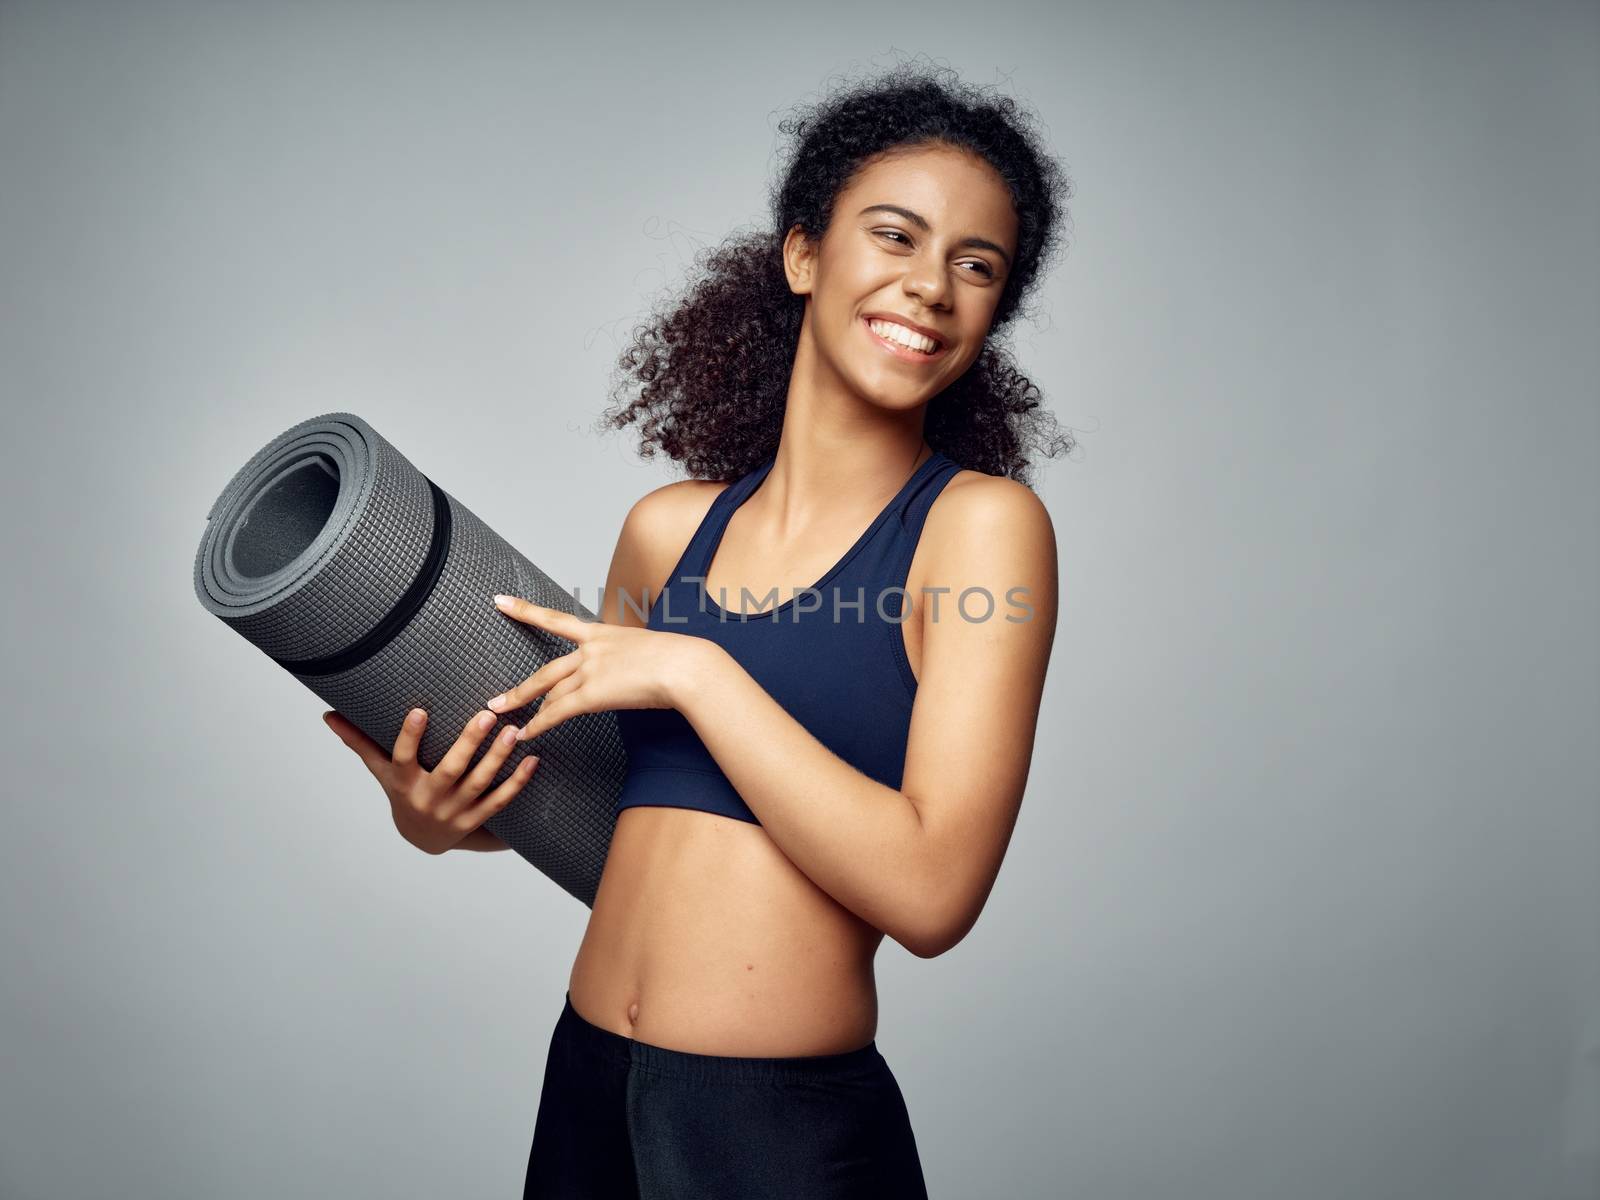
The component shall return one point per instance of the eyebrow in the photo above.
(921, 223)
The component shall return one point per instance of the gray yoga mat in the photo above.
(357, 574)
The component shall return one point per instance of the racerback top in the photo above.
(844, 677)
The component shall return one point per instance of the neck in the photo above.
(837, 453)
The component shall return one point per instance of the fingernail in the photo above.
(508, 735)
(414, 717)
(485, 720)
(496, 703)
(502, 601)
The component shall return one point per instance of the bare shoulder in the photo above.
(665, 518)
(654, 535)
(974, 508)
(991, 532)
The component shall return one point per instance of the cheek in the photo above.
(849, 281)
(972, 345)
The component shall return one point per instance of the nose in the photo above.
(927, 280)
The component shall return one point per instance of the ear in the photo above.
(799, 260)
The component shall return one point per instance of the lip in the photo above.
(901, 352)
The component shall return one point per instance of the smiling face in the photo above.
(918, 239)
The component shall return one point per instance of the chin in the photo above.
(894, 394)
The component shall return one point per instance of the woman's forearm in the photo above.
(859, 840)
(480, 839)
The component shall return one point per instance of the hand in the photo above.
(614, 666)
(434, 810)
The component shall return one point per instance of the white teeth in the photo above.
(899, 333)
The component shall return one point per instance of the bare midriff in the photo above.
(705, 938)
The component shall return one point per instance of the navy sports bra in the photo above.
(845, 679)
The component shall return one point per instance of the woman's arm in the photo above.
(480, 839)
(644, 553)
(917, 863)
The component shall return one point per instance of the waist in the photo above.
(705, 938)
(715, 1068)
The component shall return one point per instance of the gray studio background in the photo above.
(1304, 898)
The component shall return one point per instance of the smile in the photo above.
(902, 342)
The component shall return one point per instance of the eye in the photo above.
(899, 238)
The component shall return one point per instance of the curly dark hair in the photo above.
(712, 370)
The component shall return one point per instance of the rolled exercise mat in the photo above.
(366, 581)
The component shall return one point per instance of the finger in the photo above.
(469, 819)
(535, 685)
(405, 745)
(568, 625)
(482, 774)
(371, 753)
(563, 702)
(456, 758)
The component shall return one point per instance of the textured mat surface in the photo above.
(357, 574)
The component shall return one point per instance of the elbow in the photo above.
(942, 892)
(928, 947)
(932, 931)
(932, 943)
(937, 911)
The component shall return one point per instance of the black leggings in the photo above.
(620, 1118)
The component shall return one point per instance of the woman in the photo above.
(810, 767)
